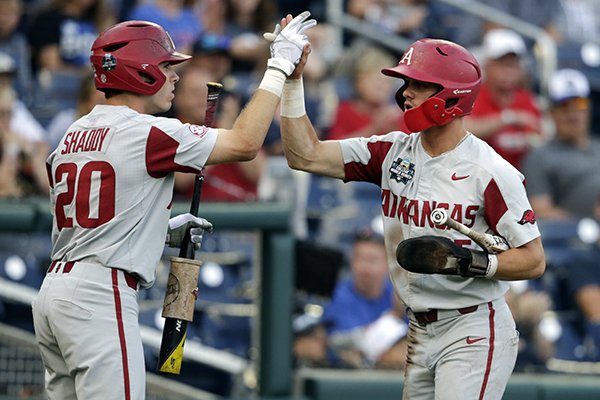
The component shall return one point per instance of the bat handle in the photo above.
(439, 216)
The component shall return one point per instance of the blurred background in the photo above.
(271, 320)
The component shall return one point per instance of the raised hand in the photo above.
(288, 41)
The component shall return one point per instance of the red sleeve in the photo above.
(372, 171)
(160, 155)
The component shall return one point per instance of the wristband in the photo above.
(492, 266)
(273, 81)
(292, 99)
(285, 66)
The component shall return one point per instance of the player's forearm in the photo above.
(300, 142)
(302, 147)
(525, 262)
(243, 141)
(251, 127)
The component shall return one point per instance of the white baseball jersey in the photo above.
(477, 187)
(112, 178)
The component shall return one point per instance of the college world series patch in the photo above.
(402, 170)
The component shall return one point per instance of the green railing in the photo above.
(275, 295)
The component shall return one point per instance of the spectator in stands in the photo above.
(563, 185)
(505, 113)
(14, 44)
(22, 167)
(246, 20)
(371, 110)
(310, 341)
(402, 17)
(87, 98)
(578, 21)
(542, 13)
(384, 343)
(530, 305)
(61, 35)
(359, 299)
(223, 182)
(211, 52)
(22, 122)
(176, 16)
(212, 14)
(562, 176)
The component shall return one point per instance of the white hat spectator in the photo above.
(381, 335)
(499, 42)
(568, 84)
(7, 64)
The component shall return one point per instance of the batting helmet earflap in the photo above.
(443, 63)
(127, 55)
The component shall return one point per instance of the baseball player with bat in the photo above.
(111, 180)
(462, 340)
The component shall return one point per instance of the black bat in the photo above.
(174, 332)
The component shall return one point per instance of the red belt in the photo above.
(131, 279)
(427, 317)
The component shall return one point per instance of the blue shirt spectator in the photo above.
(180, 22)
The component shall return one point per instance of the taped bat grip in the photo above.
(182, 289)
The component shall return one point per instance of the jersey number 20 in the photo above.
(97, 174)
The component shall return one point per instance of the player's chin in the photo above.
(165, 105)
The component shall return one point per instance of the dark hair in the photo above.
(367, 234)
(108, 93)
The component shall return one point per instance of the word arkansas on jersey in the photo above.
(419, 211)
(87, 140)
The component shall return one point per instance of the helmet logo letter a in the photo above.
(407, 57)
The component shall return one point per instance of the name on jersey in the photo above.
(87, 140)
(418, 212)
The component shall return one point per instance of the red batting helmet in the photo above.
(443, 63)
(127, 55)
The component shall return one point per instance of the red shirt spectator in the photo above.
(513, 140)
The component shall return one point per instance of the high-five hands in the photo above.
(180, 224)
(287, 43)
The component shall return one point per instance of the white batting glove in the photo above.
(287, 43)
(495, 244)
(180, 224)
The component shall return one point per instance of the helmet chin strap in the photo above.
(431, 113)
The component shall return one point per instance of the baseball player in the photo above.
(462, 341)
(111, 181)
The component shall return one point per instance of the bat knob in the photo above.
(439, 216)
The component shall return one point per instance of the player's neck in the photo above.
(438, 140)
(131, 100)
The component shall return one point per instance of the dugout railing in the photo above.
(272, 337)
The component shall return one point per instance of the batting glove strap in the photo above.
(479, 264)
(281, 64)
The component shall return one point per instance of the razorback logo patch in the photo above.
(198, 130)
(527, 218)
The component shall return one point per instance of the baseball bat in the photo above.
(175, 329)
(440, 216)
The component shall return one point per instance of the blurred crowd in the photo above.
(549, 134)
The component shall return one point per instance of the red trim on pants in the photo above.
(119, 314)
(488, 367)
